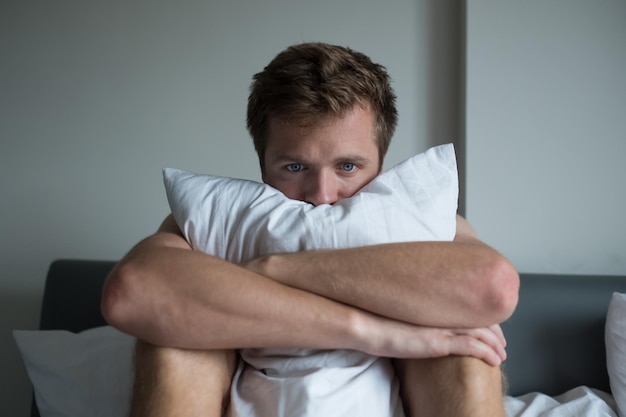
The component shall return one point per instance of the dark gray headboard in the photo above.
(72, 294)
(71, 299)
(556, 335)
(555, 338)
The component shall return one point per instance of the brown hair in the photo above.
(310, 82)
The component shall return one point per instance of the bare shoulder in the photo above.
(168, 234)
(464, 231)
(169, 226)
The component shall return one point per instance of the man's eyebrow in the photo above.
(358, 159)
(354, 158)
(285, 158)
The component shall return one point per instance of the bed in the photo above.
(556, 336)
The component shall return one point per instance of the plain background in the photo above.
(97, 97)
(546, 132)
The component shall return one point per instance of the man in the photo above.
(321, 118)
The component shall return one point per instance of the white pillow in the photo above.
(79, 374)
(239, 220)
(615, 335)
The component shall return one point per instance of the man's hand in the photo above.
(384, 337)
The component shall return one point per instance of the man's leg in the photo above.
(180, 383)
(450, 386)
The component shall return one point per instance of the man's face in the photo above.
(324, 164)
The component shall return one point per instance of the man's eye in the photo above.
(294, 167)
(348, 167)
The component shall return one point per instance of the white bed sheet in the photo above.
(577, 402)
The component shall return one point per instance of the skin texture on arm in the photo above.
(168, 295)
(162, 291)
(457, 284)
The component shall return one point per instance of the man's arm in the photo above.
(167, 294)
(463, 283)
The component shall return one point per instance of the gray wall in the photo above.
(97, 97)
(546, 132)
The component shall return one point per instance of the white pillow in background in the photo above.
(79, 374)
(615, 339)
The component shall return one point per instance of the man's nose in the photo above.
(322, 189)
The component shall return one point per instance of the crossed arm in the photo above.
(406, 300)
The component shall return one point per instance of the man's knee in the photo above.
(478, 375)
(169, 379)
(466, 372)
(216, 365)
(451, 385)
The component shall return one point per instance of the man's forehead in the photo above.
(302, 125)
(310, 121)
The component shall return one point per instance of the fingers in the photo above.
(471, 345)
(498, 331)
(487, 343)
(402, 340)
